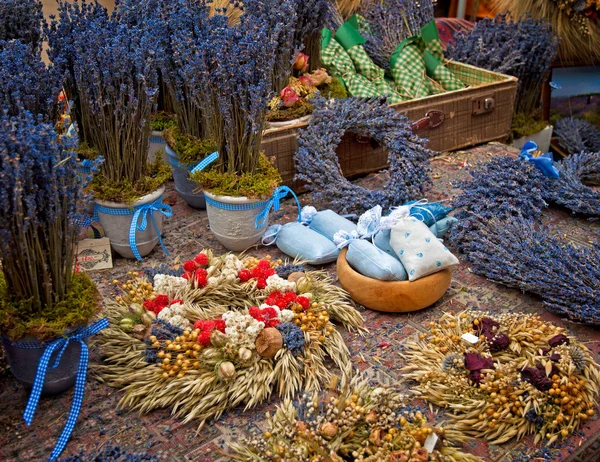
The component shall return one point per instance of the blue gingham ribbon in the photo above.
(274, 203)
(61, 345)
(205, 162)
(545, 162)
(141, 211)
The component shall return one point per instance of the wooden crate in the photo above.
(454, 120)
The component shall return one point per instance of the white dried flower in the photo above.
(276, 283)
(165, 284)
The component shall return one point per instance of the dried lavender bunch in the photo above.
(389, 23)
(511, 251)
(576, 135)
(26, 82)
(311, 17)
(571, 190)
(524, 49)
(317, 163)
(21, 20)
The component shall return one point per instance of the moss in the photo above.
(301, 108)
(158, 173)
(526, 125)
(335, 89)
(258, 185)
(189, 149)
(19, 319)
(85, 151)
(160, 121)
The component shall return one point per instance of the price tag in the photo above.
(473, 339)
(430, 442)
(94, 254)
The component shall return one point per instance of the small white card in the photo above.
(94, 254)
(470, 338)
(430, 442)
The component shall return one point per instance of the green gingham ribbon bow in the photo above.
(434, 59)
(352, 41)
(337, 60)
(408, 68)
(59, 346)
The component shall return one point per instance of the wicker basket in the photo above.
(453, 120)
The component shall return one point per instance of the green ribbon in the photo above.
(431, 37)
(348, 35)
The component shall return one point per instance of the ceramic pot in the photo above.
(24, 362)
(116, 227)
(541, 138)
(183, 185)
(392, 296)
(157, 145)
(235, 229)
(289, 123)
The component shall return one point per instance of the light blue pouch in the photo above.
(441, 227)
(327, 223)
(382, 242)
(373, 263)
(299, 241)
(428, 213)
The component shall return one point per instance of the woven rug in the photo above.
(101, 425)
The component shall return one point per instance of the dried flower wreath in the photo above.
(228, 332)
(499, 234)
(317, 163)
(576, 135)
(504, 377)
(355, 422)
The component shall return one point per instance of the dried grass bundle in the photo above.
(232, 9)
(523, 376)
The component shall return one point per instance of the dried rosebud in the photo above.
(320, 77)
(371, 417)
(536, 376)
(419, 455)
(289, 96)
(557, 340)
(301, 63)
(498, 342)
(399, 456)
(306, 81)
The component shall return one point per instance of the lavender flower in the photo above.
(162, 268)
(21, 20)
(317, 162)
(524, 49)
(111, 454)
(26, 82)
(284, 271)
(576, 135)
(293, 337)
(39, 193)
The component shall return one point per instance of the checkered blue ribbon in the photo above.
(61, 345)
(85, 167)
(205, 162)
(274, 203)
(141, 211)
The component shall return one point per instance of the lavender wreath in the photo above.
(318, 166)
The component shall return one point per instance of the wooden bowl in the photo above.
(392, 296)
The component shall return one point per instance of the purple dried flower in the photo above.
(536, 376)
(21, 20)
(557, 340)
(576, 135)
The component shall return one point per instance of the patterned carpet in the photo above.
(101, 425)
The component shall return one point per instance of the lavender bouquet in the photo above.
(576, 135)
(40, 294)
(21, 20)
(114, 66)
(524, 49)
(26, 82)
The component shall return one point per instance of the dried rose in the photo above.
(557, 340)
(301, 63)
(536, 376)
(328, 430)
(486, 325)
(289, 96)
(306, 81)
(320, 77)
(498, 342)
(476, 362)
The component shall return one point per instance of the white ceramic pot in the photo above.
(289, 123)
(157, 144)
(541, 138)
(116, 227)
(235, 229)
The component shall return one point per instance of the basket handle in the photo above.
(432, 119)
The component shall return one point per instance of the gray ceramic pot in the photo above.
(156, 145)
(24, 362)
(183, 185)
(116, 227)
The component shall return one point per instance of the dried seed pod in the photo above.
(244, 354)
(138, 309)
(371, 417)
(303, 284)
(328, 430)
(218, 338)
(148, 318)
(269, 342)
(139, 331)
(295, 276)
(126, 324)
(226, 371)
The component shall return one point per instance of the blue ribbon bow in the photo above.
(61, 345)
(545, 162)
(274, 203)
(143, 211)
